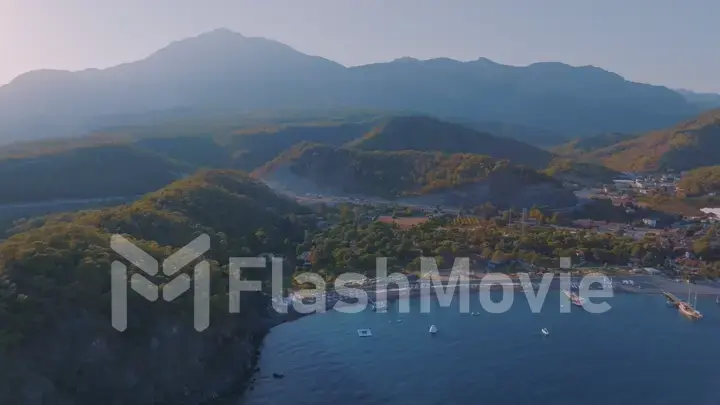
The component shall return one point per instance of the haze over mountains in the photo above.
(703, 100)
(225, 71)
(424, 177)
(132, 163)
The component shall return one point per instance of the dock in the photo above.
(672, 298)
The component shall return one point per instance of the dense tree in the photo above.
(486, 241)
(393, 174)
(60, 266)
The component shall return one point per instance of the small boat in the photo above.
(278, 375)
(364, 332)
(475, 313)
(545, 331)
(433, 329)
(574, 298)
(717, 300)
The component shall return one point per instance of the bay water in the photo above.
(639, 352)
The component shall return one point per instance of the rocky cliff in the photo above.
(82, 360)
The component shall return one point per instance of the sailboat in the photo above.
(687, 309)
(433, 329)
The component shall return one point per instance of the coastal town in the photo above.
(668, 250)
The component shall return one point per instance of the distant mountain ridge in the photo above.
(225, 70)
(702, 100)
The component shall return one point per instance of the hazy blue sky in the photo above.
(669, 42)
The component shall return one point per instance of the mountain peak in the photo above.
(485, 61)
(221, 32)
(218, 35)
(406, 59)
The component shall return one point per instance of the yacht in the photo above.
(688, 309)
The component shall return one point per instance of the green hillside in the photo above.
(701, 181)
(427, 134)
(393, 174)
(251, 148)
(580, 172)
(581, 146)
(87, 172)
(59, 267)
(687, 146)
(126, 162)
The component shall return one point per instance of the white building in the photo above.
(650, 222)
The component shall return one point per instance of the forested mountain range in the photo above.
(225, 71)
(133, 161)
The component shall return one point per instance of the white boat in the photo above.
(475, 313)
(364, 332)
(379, 306)
(433, 329)
(545, 331)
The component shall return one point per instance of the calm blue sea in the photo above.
(640, 352)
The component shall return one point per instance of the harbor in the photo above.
(378, 299)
